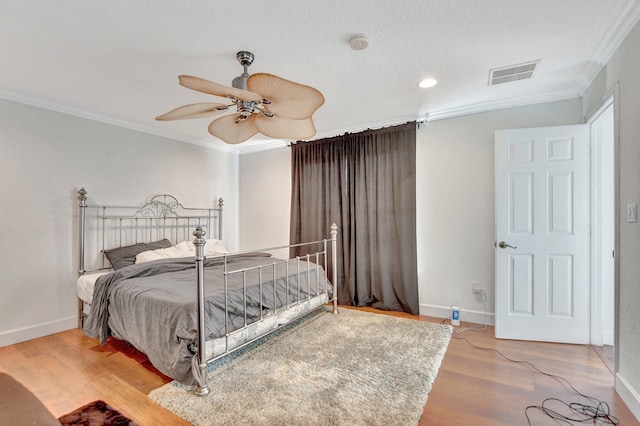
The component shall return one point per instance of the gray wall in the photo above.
(620, 76)
(265, 198)
(45, 157)
(456, 204)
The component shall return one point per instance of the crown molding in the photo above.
(65, 109)
(537, 98)
(263, 145)
(619, 30)
(441, 114)
(259, 146)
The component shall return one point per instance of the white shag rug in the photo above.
(354, 368)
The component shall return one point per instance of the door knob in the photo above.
(502, 245)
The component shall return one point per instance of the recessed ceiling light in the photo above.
(427, 82)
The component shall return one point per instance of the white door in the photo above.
(542, 234)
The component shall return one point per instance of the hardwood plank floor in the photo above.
(67, 370)
(480, 387)
(473, 387)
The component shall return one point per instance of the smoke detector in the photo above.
(359, 41)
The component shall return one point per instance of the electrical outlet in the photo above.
(476, 287)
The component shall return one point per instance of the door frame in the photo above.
(596, 313)
(597, 234)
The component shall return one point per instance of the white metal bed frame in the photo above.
(109, 226)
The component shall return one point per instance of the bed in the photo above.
(158, 276)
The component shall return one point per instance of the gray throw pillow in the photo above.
(125, 256)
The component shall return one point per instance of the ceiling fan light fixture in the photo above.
(265, 103)
(427, 82)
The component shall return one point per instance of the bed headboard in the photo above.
(103, 227)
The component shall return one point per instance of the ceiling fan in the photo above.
(264, 103)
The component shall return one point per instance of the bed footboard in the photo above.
(334, 259)
(201, 360)
(200, 372)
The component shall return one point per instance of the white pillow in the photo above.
(212, 248)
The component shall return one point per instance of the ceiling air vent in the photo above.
(512, 73)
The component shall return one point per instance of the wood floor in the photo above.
(473, 387)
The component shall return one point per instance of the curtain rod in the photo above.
(424, 121)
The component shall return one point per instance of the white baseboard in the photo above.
(466, 315)
(18, 335)
(607, 338)
(629, 395)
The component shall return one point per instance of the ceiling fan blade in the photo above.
(288, 99)
(285, 128)
(206, 86)
(206, 109)
(232, 132)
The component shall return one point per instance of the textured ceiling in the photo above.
(117, 61)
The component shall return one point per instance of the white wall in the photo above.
(622, 71)
(45, 157)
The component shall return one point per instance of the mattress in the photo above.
(215, 347)
(218, 346)
(84, 288)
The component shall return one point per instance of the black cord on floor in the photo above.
(580, 413)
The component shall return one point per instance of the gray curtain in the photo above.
(365, 183)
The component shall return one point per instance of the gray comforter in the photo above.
(153, 305)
